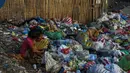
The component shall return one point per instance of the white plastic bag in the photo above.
(99, 68)
(98, 45)
(51, 63)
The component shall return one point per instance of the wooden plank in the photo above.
(6, 10)
(44, 9)
(38, 7)
(58, 4)
(88, 10)
(68, 8)
(54, 12)
(25, 9)
(71, 6)
(86, 6)
(53, 9)
(49, 9)
(59, 9)
(78, 9)
(83, 8)
(89, 14)
(56, 9)
(62, 8)
(73, 10)
(35, 9)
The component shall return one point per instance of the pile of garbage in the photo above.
(98, 47)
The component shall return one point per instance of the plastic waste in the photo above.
(34, 66)
(78, 71)
(124, 63)
(124, 17)
(92, 57)
(82, 54)
(51, 63)
(61, 70)
(74, 54)
(40, 20)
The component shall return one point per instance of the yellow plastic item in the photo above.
(42, 44)
(13, 34)
(42, 27)
(88, 44)
(70, 63)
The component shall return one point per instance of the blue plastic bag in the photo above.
(92, 57)
(78, 71)
(124, 17)
(40, 20)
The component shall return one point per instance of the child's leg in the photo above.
(30, 57)
(43, 59)
(43, 63)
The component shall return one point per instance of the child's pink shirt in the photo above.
(27, 44)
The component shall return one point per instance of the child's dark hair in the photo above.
(35, 33)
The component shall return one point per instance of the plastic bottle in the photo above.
(25, 32)
(78, 71)
(34, 66)
(61, 70)
(6, 66)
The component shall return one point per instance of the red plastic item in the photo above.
(15, 39)
(89, 64)
(65, 51)
(94, 39)
(128, 47)
(105, 29)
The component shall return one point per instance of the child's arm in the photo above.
(33, 47)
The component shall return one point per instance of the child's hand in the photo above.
(40, 52)
(19, 57)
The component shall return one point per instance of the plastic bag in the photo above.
(124, 17)
(82, 54)
(103, 52)
(124, 63)
(92, 57)
(65, 56)
(54, 35)
(117, 53)
(98, 45)
(103, 18)
(77, 47)
(40, 20)
(99, 68)
(83, 39)
(126, 52)
(51, 63)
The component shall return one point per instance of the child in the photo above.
(29, 49)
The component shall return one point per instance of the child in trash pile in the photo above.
(34, 46)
